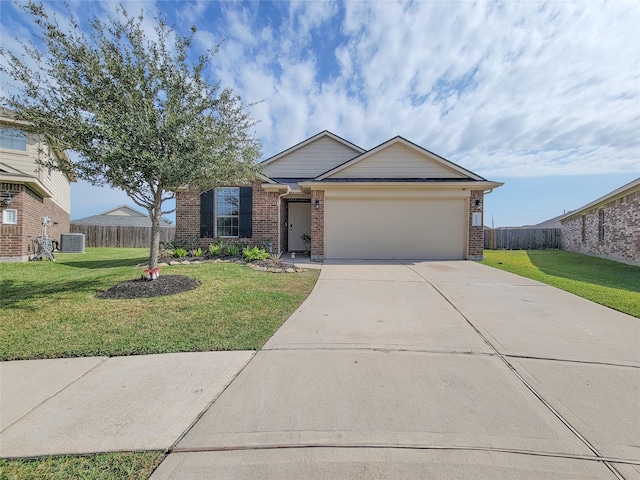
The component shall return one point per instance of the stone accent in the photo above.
(317, 225)
(476, 234)
(16, 241)
(619, 237)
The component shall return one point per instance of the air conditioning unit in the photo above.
(72, 243)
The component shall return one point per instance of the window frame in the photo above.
(23, 136)
(601, 230)
(5, 217)
(235, 216)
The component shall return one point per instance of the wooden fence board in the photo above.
(522, 238)
(120, 236)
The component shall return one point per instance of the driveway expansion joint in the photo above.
(569, 360)
(280, 446)
(209, 404)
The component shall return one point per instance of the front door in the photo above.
(299, 224)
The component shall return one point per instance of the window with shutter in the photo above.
(227, 211)
(206, 215)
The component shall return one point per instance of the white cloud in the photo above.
(504, 88)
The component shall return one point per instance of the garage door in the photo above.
(374, 228)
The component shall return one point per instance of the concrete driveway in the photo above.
(429, 370)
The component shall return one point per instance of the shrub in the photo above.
(215, 250)
(306, 239)
(276, 257)
(255, 253)
(233, 250)
(197, 252)
(180, 252)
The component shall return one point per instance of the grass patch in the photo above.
(49, 309)
(107, 466)
(612, 284)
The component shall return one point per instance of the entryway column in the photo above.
(317, 224)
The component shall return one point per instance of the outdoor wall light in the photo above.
(317, 204)
(479, 203)
(7, 199)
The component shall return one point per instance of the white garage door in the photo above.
(374, 228)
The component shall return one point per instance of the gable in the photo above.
(399, 159)
(124, 211)
(310, 159)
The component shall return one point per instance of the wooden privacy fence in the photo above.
(522, 238)
(120, 236)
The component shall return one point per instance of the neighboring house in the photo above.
(608, 227)
(120, 216)
(29, 194)
(122, 226)
(396, 200)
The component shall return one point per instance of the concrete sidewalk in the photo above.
(99, 404)
(429, 369)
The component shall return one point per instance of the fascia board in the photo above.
(471, 185)
(617, 193)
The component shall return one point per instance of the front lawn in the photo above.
(613, 284)
(50, 309)
(104, 466)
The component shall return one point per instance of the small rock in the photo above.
(271, 270)
(174, 262)
(290, 270)
(196, 262)
(186, 262)
(217, 260)
(299, 270)
(163, 264)
(262, 269)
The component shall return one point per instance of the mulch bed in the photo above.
(161, 286)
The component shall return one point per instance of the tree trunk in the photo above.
(155, 237)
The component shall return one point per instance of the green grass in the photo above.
(49, 309)
(105, 466)
(612, 284)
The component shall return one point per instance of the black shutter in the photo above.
(246, 205)
(206, 214)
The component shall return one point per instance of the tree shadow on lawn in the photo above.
(585, 268)
(18, 294)
(96, 264)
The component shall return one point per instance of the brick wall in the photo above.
(621, 240)
(187, 216)
(476, 234)
(16, 241)
(317, 225)
(264, 218)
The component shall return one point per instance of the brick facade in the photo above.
(264, 219)
(187, 216)
(265, 222)
(610, 230)
(16, 241)
(476, 234)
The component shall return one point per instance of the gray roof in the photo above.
(134, 219)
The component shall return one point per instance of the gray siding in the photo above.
(311, 160)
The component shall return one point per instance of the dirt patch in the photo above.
(163, 285)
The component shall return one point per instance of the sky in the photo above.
(543, 96)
